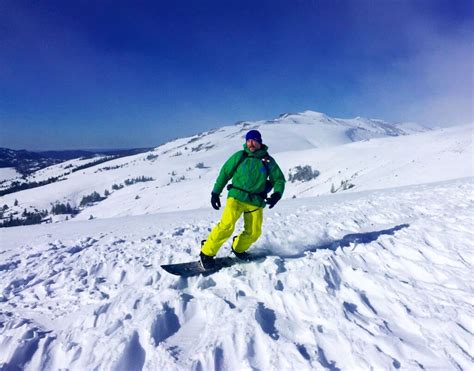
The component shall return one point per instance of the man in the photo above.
(249, 170)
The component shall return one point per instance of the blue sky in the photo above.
(122, 74)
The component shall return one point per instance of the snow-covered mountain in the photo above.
(15, 165)
(181, 173)
(368, 257)
(24, 162)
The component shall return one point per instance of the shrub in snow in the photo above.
(200, 165)
(29, 218)
(345, 185)
(116, 187)
(202, 147)
(193, 139)
(60, 208)
(177, 180)
(16, 186)
(151, 157)
(302, 174)
(90, 199)
(94, 163)
(138, 180)
(107, 168)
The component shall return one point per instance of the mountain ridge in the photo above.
(27, 162)
(178, 175)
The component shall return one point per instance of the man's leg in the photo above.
(252, 230)
(224, 229)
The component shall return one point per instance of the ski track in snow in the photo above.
(366, 280)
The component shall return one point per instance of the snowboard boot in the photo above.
(241, 255)
(207, 262)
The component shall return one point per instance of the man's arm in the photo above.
(226, 173)
(276, 177)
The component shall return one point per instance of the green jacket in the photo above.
(251, 175)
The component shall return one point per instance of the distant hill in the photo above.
(27, 162)
(318, 155)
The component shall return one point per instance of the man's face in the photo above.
(253, 145)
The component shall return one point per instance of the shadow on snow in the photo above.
(194, 268)
(356, 238)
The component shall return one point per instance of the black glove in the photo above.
(273, 199)
(215, 201)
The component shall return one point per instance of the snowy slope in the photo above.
(60, 170)
(387, 162)
(8, 173)
(179, 184)
(173, 165)
(379, 279)
(378, 276)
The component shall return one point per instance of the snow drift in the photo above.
(375, 277)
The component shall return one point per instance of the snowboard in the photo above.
(195, 268)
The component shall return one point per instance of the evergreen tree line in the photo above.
(151, 157)
(90, 199)
(60, 208)
(129, 182)
(107, 168)
(94, 163)
(138, 180)
(29, 218)
(17, 186)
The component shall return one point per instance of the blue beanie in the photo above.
(255, 135)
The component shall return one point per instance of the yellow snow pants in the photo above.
(253, 219)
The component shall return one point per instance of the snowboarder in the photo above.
(249, 170)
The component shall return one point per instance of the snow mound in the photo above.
(379, 279)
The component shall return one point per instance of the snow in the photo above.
(8, 173)
(320, 142)
(375, 277)
(60, 170)
(378, 279)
